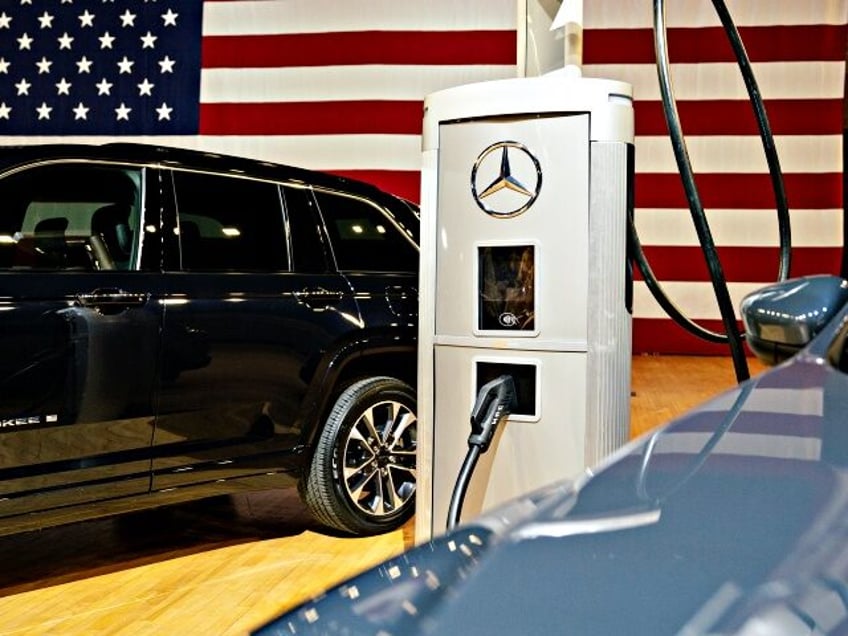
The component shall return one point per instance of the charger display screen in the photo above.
(506, 287)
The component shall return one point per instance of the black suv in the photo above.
(178, 324)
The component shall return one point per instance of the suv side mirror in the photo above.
(782, 318)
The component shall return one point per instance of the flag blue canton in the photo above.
(100, 67)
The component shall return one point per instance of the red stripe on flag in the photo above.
(787, 117)
(803, 190)
(661, 335)
(806, 191)
(739, 264)
(736, 117)
(359, 47)
(312, 118)
(779, 43)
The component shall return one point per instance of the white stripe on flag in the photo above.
(632, 14)
(745, 228)
(742, 154)
(339, 83)
(323, 16)
(694, 299)
(317, 152)
(721, 80)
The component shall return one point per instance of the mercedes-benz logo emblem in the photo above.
(506, 179)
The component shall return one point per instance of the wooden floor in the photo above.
(228, 565)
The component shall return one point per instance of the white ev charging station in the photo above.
(526, 184)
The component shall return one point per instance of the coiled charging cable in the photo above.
(732, 335)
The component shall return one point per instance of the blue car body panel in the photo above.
(733, 519)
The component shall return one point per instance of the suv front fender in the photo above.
(377, 352)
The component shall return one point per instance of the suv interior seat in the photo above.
(110, 224)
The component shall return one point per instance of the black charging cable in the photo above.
(495, 401)
(732, 336)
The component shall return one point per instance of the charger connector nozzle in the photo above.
(495, 401)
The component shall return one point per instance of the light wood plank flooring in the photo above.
(226, 566)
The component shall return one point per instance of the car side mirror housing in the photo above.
(782, 318)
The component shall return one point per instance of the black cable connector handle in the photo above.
(495, 401)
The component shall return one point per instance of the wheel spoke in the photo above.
(403, 424)
(392, 419)
(356, 491)
(358, 454)
(404, 461)
(368, 419)
(378, 503)
(407, 486)
(388, 488)
(402, 481)
(355, 434)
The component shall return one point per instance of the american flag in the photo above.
(797, 50)
(338, 85)
(325, 84)
(87, 68)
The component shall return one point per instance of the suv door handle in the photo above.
(112, 299)
(403, 301)
(318, 298)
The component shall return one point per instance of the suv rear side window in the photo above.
(70, 217)
(229, 224)
(363, 236)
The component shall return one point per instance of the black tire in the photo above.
(363, 474)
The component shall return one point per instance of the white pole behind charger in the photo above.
(569, 18)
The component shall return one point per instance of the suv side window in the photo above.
(229, 223)
(363, 236)
(70, 217)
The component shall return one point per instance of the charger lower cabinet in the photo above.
(525, 192)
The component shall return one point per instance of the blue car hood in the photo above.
(731, 520)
